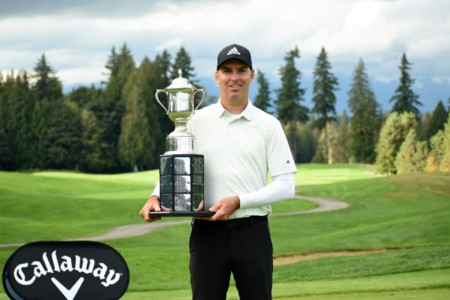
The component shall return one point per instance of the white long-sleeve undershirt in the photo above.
(282, 187)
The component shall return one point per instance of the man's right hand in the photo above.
(152, 204)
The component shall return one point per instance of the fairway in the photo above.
(404, 219)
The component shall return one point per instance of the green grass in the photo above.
(408, 215)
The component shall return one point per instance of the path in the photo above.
(323, 205)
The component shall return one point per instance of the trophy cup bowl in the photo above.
(181, 172)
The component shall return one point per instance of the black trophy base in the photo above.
(159, 214)
(182, 186)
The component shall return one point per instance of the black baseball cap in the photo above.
(234, 51)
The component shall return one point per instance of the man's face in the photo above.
(234, 78)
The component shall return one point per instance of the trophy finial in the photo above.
(180, 73)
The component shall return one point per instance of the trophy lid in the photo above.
(180, 84)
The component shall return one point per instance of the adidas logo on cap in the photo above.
(233, 51)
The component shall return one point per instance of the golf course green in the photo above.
(392, 242)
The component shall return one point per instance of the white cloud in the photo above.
(441, 80)
(77, 37)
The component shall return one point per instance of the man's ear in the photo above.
(216, 77)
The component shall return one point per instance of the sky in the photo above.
(77, 37)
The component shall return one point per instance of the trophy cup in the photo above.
(181, 172)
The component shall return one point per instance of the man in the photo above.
(242, 145)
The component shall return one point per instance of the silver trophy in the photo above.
(181, 172)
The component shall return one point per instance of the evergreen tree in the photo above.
(140, 134)
(437, 120)
(183, 62)
(48, 94)
(91, 160)
(22, 142)
(6, 120)
(134, 137)
(288, 107)
(325, 84)
(412, 155)
(39, 125)
(342, 147)
(307, 141)
(113, 63)
(405, 100)
(324, 99)
(84, 96)
(62, 139)
(422, 131)
(327, 140)
(47, 86)
(109, 110)
(366, 117)
(163, 68)
(87, 98)
(392, 135)
(148, 81)
(5, 149)
(262, 99)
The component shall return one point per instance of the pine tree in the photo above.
(21, 113)
(307, 141)
(47, 86)
(404, 99)
(163, 68)
(47, 126)
(437, 120)
(288, 107)
(342, 146)
(110, 107)
(113, 63)
(262, 99)
(366, 119)
(325, 84)
(5, 144)
(324, 99)
(62, 137)
(90, 157)
(141, 134)
(327, 140)
(183, 62)
(134, 138)
(424, 124)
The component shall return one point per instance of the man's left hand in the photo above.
(224, 208)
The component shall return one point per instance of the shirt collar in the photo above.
(247, 113)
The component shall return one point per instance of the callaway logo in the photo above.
(65, 264)
(65, 270)
(233, 51)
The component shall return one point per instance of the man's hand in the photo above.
(152, 204)
(224, 208)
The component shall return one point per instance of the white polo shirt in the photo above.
(240, 153)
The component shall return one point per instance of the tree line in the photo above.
(118, 126)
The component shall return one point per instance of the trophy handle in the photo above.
(157, 99)
(203, 97)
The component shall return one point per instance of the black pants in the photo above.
(242, 247)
